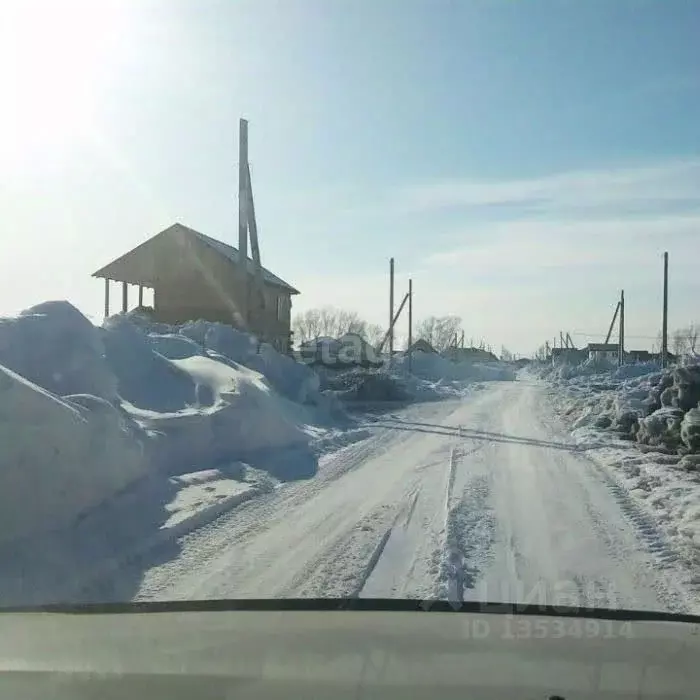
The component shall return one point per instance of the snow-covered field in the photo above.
(150, 462)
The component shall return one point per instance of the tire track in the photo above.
(343, 568)
(468, 533)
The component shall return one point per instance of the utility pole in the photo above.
(561, 340)
(257, 305)
(664, 328)
(243, 216)
(389, 333)
(391, 307)
(612, 323)
(410, 325)
(621, 357)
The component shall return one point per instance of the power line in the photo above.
(602, 335)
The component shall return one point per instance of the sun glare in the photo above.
(54, 56)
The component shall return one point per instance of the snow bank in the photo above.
(57, 457)
(289, 378)
(432, 377)
(54, 346)
(240, 418)
(145, 378)
(643, 425)
(434, 367)
(85, 410)
(364, 385)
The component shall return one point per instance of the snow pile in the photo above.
(434, 367)
(238, 417)
(289, 378)
(659, 413)
(432, 378)
(59, 457)
(54, 346)
(86, 411)
(363, 385)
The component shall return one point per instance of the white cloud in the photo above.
(519, 279)
(559, 243)
(673, 182)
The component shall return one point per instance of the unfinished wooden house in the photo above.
(196, 277)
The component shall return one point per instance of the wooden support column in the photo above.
(243, 302)
(410, 325)
(140, 295)
(125, 297)
(664, 322)
(106, 298)
(621, 353)
(391, 307)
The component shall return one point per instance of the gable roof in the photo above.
(422, 345)
(231, 254)
(227, 251)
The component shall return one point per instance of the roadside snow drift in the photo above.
(434, 367)
(58, 457)
(234, 415)
(643, 424)
(86, 411)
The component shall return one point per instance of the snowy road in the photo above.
(486, 498)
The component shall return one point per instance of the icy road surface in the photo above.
(482, 499)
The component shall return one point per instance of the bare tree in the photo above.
(685, 340)
(440, 332)
(506, 355)
(333, 323)
(679, 341)
(425, 330)
(307, 325)
(374, 334)
(350, 322)
(693, 330)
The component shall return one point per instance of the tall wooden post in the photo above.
(621, 346)
(125, 297)
(106, 298)
(391, 308)
(664, 327)
(140, 295)
(243, 217)
(410, 325)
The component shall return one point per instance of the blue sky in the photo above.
(522, 160)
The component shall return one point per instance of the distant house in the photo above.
(197, 277)
(638, 356)
(670, 357)
(603, 351)
(572, 356)
(457, 354)
(421, 345)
